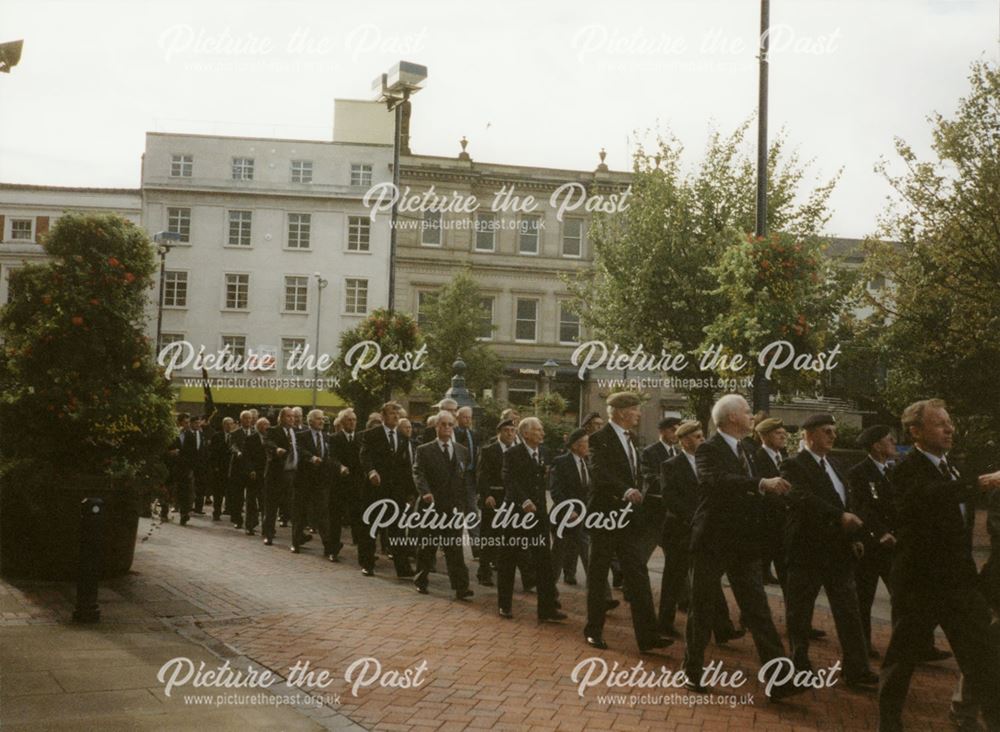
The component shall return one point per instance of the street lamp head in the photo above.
(166, 236)
(402, 80)
(10, 55)
(549, 368)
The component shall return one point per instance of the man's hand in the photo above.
(280, 452)
(374, 479)
(490, 502)
(989, 480)
(316, 460)
(887, 540)
(175, 451)
(528, 507)
(858, 549)
(428, 498)
(633, 496)
(253, 475)
(574, 516)
(344, 470)
(850, 522)
(777, 486)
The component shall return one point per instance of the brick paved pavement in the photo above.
(245, 601)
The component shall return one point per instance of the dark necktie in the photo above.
(744, 459)
(945, 470)
(631, 453)
(392, 440)
(317, 443)
(446, 451)
(584, 477)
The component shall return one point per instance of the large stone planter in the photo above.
(40, 528)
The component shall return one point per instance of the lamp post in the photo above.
(160, 238)
(394, 88)
(549, 370)
(321, 282)
(761, 385)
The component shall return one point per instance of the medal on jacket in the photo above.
(874, 490)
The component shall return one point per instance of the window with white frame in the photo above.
(237, 348)
(302, 171)
(179, 222)
(239, 228)
(521, 391)
(355, 296)
(299, 225)
(526, 320)
(296, 294)
(181, 166)
(430, 229)
(292, 347)
(165, 340)
(359, 230)
(22, 229)
(573, 237)
(175, 289)
(361, 174)
(237, 291)
(569, 324)
(485, 321)
(424, 300)
(486, 232)
(8, 272)
(528, 234)
(242, 168)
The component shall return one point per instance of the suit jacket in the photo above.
(813, 534)
(489, 472)
(679, 486)
(348, 454)
(445, 479)
(728, 517)
(248, 453)
(565, 480)
(652, 457)
(278, 438)
(524, 480)
(220, 454)
(461, 436)
(871, 492)
(325, 472)
(933, 561)
(390, 465)
(201, 453)
(182, 464)
(612, 475)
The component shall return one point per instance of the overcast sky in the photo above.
(532, 83)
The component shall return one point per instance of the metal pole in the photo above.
(91, 545)
(159, 309)
(761, 385)
(320, 283)
(395, 206)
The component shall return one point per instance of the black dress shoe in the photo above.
(770, 579)
(597, 642)
(506, 614)
(237, 524)
(250, 532)
(569, 580)
(268, 542)
(683, 607)
(284, 523)
(874, 654)
(785, 691)
(217, 518)
(422, 589)
(655, 644)
(296, 550)
(557, 605)
(931, 655)
(184, 519)
(199, 513)
(485, 582)
(464, 595)
(867, 680)
(406, 574)
(612, 604)
(669, 631)
(365, 572)
(728, 635)
(692, 685)
(553, 617)
(816, 634)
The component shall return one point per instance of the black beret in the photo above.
(575, 435)
(589, 418)
(668, 422)
(818, 420)
(873, 434)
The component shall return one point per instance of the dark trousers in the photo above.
(304, 489)
(335, 509)
(234, 496)
(488, 551)
(527, 549)
(747, 584)
(252, 500)
(181, 493)
(219, 480)
(360, 531)
(568, 550)
(398, 547)
(280, 483)
(965, 618)
(802, 586)
(675, 588)
(876, 564)
(773, 544)
(451, 546)
(202, 488)
(624, 544)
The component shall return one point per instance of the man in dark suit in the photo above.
(201, 468)
(445, 405)
(284, 456)
(679, 487)
(383, 463)
(524, 489)
(239, 476)
(439, 475)
(615, 492)
(824, 536)
(180, 462)
(319, 472)
(725, 538)
(352, 487)
(767, 456)
(651, 513)
(221, 458)
(569, 480)
(934, 580)
(465, 435)
(250, 463)
(489, 481)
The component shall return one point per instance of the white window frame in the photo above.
(247, 222)
(306, 224)
(222, 344)
(179, 228)
(365, 225)
(243, 165)
(582, 239)
(538, 307)
(173, 338)
(538, 234)
(21, 220)
(303, 169)
(564, 308)
(225, 292)
(416, 311)
(493, 312)
(425, 228)
(284, 294)
(183, 163)
(347, 284)
(166, 288)
(286, 353)
(486, 215)
(362, 173)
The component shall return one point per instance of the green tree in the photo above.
(652, 282)
(455, 315)
(937, 319)
(80, 393)
(389, 336)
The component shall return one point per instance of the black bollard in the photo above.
(91, 541)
